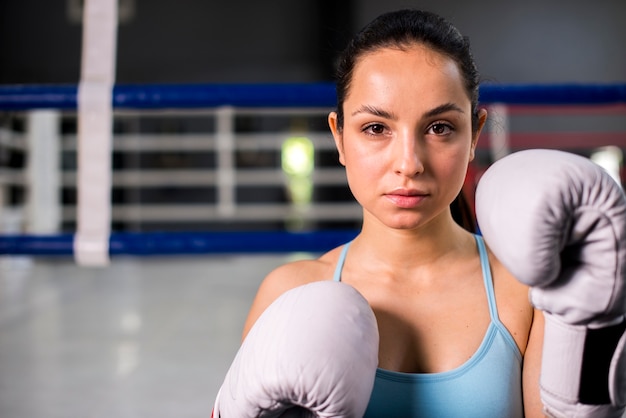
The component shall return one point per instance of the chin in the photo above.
(405, 224)
(403, 220)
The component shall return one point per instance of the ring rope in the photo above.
(182, 243)
(188, 96)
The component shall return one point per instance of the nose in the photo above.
(408, 156)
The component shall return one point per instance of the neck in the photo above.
(398, 247)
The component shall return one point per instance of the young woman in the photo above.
(458, 336)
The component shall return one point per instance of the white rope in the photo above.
(500, 137)
(95, 119)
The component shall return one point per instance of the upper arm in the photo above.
(276, 283)
(532, 368)
(269, 290)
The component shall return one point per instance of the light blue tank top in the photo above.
(487, 385)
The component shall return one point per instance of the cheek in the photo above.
(363, 169)
(454, 167)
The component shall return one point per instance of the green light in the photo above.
(298, 156)
(298, 163)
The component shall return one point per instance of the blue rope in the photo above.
(182, 243)
(186, 96)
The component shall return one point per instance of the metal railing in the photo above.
(208, 157)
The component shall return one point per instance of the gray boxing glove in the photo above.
(312, 353)
(557, 222)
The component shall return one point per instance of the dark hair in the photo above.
(463, 213)
(404, 28)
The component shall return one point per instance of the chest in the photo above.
(430, 330)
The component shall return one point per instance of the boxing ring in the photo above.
(560, 109)
(153, 331)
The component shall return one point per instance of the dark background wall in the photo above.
(535, 40)
(296, 41)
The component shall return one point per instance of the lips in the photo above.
(406, 198)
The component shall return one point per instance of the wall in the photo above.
(533, 40)
(285, 40)
(168, 42)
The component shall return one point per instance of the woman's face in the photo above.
(407, 135)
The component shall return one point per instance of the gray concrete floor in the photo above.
(144, 337)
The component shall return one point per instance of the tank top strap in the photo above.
(340, 262)
(486, 268)
(484, 263)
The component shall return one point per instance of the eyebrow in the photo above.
(374, 111)
(447, 107)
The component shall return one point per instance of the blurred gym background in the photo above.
(154, 336)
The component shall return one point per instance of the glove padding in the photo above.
(312, 353)
(557, 222)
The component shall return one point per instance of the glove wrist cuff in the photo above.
(587, 368)
(560, 378)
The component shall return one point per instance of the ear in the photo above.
(337, 135)
(482, 119)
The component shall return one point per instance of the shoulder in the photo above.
(294, 274)
(297, 273)
(289, 276)
(514, 307)
(506, 284)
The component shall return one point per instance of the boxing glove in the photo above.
(557, 222)
(312, 353)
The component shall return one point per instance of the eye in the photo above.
(440, 128)
(374, 129)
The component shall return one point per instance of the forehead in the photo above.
(415, 72)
